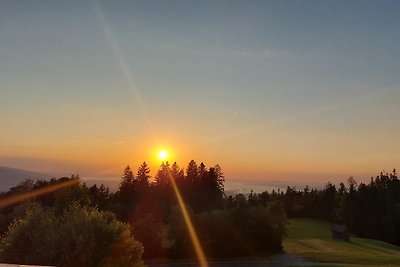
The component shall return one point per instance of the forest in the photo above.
(369, 210)
(64, 222)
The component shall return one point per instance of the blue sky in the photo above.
(309, 88)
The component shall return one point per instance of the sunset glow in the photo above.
(271, 103)
(163, 155)
(217, 133)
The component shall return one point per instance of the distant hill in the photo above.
(10, 177)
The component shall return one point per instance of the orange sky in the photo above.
(269, 91)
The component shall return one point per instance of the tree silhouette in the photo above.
(127, 177)
(162, 176)
(143, 175)
(192, 172)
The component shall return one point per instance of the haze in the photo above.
(270, 90)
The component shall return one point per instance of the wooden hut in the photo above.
(340, 232)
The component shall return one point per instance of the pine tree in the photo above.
(143, 175)
(128, 188)
(178, 174)
(192, 172)
(162, 176)
(127, 178)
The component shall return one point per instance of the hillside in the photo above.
(10, 177)
(312, 240)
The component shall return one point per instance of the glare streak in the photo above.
(293, 117)
(37, 192)
(192, 232)
(123, 64)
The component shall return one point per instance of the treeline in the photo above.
(143, 209)
(226, 227)
(369, 210)
(202, 189)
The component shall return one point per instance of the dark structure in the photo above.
(340, 232)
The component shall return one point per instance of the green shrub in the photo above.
(81, 236)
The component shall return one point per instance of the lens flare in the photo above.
(124, 67)
(37, 192)
(192, 232)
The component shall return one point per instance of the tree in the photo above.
(163, 174)
(143, 175)
(214, 187)
(192, 172)
(74, 194)
(220, 178)
(127, 177)
(148, 231)
(202, 172)
(30, 237)
(178, 175)
(327, 202)
(128, 189)
(99, 196)
(82, 236)
(93, 238)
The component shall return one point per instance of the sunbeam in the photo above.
(123, 65)
(293, 117)
(192, 232)
(37, 192)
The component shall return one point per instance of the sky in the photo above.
(270, 90)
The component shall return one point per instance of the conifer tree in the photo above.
(143, 175)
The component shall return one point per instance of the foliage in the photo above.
(226, 226)
(373, 210)
(32, 239)
(143, 176)
(99, 196)
(81, 236)
(369, 210)
(249, 230)
(73, 194)
(148, 231)
(179, 236)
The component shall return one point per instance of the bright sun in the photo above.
(162, 155)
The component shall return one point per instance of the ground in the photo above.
(312, 240)
(309, 243)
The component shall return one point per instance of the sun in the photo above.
(162, 155)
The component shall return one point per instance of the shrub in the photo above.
(81, 236)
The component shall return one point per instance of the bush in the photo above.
(236, 232)
(149, 232)
(31, 239)
(78, 237)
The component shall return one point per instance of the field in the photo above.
(312, 240)
(309, 243)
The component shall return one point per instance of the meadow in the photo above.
(312, 240)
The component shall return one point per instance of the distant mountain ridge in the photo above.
(10, 177)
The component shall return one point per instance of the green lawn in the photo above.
(312, 239)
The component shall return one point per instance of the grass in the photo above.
(312, 240)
